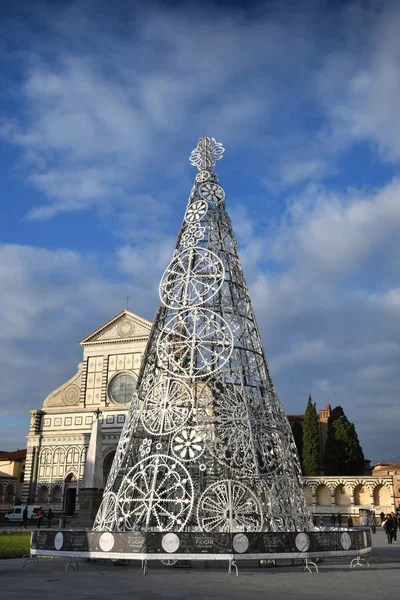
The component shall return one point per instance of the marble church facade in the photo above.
(59, 432)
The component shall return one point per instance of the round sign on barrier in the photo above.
(302, 542)
(240, 543)
(58, 541)
(345, 540)
(170, 542)
(106, 541)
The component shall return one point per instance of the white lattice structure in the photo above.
(207, 446)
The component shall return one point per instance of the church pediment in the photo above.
(124, 326)
(67, 394)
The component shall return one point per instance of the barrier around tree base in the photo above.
(199, 545)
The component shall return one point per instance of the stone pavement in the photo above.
(106, 581)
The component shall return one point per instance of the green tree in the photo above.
(310, 440)
(343, 454)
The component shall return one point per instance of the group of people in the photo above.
(41, 516)
(337, 517)
(390, 523)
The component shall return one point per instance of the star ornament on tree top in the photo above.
(206, 153)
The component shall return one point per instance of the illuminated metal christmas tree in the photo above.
(206, 445)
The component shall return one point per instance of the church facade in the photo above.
(59, 432)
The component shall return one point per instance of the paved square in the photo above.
(106, 581)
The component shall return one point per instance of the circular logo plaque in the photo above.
(170, 542)
(345, 540)
(106, 541)
(58, 541)
(302, 542)
(240, 543)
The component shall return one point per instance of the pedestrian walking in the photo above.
(372, 522)
(50, 516)
(321, 521)
(349, 522)
(395, 526)
(24, 517)
(382, 516)
(339, 519)
(388, 526)
(40, 517)
(333, 520)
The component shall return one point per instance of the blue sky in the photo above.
(101, 105)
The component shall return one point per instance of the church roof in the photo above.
(14, 455)
(127, 325)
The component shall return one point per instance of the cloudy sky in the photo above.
(100, 106)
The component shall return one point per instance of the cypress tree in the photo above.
(310, 440)
(343, 453)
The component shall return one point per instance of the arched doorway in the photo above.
(342, 495)
(362, 496)
(323, 495)
(70, 494)
(382, 498)
(107, 463)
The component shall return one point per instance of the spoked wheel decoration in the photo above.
(195, 343)
(105, 518)
(188, 444)
(236, 425)
(158, 491)
(192, 278)
(203, 176)
(196, 211)
(212, 191)
(229, 506)
(167, 407)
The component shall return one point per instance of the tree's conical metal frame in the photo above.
(206, 445)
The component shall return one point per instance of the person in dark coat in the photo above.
(339, 519)
(50, 516)
(24, 517)
(388, 526)
(372, 522)
(349, 522)
(395, 526)
(382, 516)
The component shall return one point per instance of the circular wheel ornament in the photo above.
(236, 422)
(229, 506)
(196, 211)
(158, 493)
(105, 518)
(188, 444)
(167, 407)
(195, 343)
(212, 192)
(193, 277)
(203, 176)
